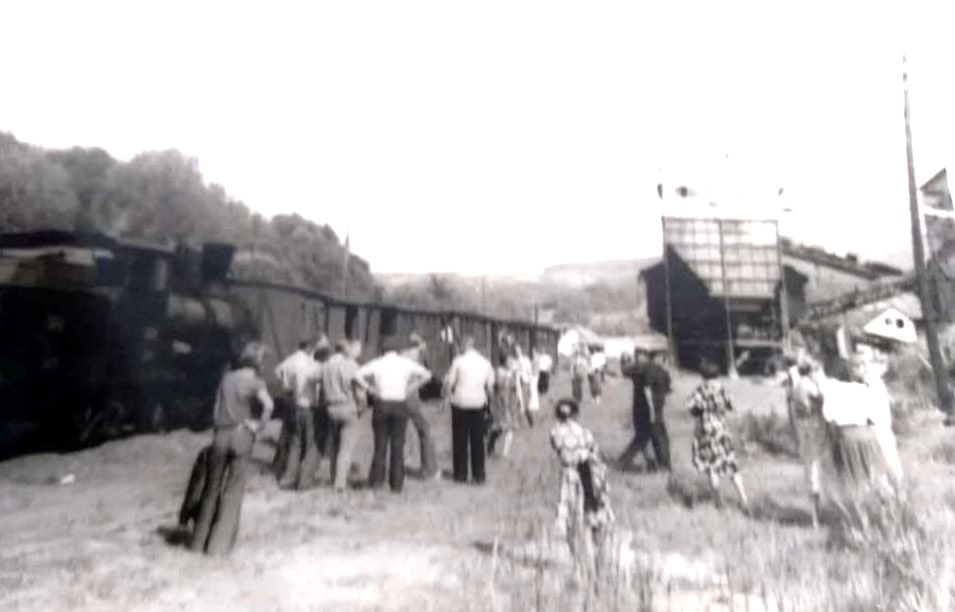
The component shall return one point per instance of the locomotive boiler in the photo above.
(102, 335)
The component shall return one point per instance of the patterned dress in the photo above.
(712, 446)
(576, 449)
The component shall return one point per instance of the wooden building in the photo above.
(722, 292)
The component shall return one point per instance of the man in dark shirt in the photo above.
(651, 384)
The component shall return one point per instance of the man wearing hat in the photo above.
(416, 353)
(300, 375)
(391, 379)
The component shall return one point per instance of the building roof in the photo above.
(848, 263)
(896, 295)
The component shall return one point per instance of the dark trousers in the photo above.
(303, 454)
(429, 464)
(192, 500)
(467, 431)
(660, 440)
(217, 524)
(656, 435)
(390, 424)
(280, 461)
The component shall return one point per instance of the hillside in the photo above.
(162, 197)
(612, 272)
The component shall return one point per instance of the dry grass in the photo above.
(439, 546)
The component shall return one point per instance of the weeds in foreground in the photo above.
(769, 432)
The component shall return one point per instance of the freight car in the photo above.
(104, 335)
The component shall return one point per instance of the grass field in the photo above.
(98, 543)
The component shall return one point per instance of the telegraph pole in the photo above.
(929, 315)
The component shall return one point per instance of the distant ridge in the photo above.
(583, 274)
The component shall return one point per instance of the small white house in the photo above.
(891, 324)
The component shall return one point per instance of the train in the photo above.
(105, 335)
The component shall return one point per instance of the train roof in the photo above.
(92, 240)
(334, 301)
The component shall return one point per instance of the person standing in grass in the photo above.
(343, 392)
(712, 446)
(579, 368)
(851, 408)
(651, 385)
(417, 352)
(595, 375)
(805, 416)
(392, 378)
(584, 515)
(234, 430)
(468, 386)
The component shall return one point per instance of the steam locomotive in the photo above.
(103, 335)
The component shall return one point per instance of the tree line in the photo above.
(161, 196)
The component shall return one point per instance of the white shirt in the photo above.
(525, 370)
(392, 375)
(846, 403)
(299, 374)
(544, 362)
(597, 362)
(881, 413)
(468, 379)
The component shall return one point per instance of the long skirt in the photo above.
(857, 456)
(811, 442)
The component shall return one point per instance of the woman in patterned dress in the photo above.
(584, 515)
(712, 445)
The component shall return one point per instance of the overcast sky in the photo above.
(485, 137)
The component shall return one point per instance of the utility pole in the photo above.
(345, 257)
(483, 296)
(918, 251)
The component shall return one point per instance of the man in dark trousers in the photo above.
(651, 384)
(391, 379)
(468, 387)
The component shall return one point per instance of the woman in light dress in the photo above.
(584, 514)
(864, 451)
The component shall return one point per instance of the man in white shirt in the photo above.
(300, 374)
(543, 364)
(468, 385)
(391, 378)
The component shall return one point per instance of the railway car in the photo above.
(104, 335)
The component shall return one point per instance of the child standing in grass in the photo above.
(712, 445)
(583, 508)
